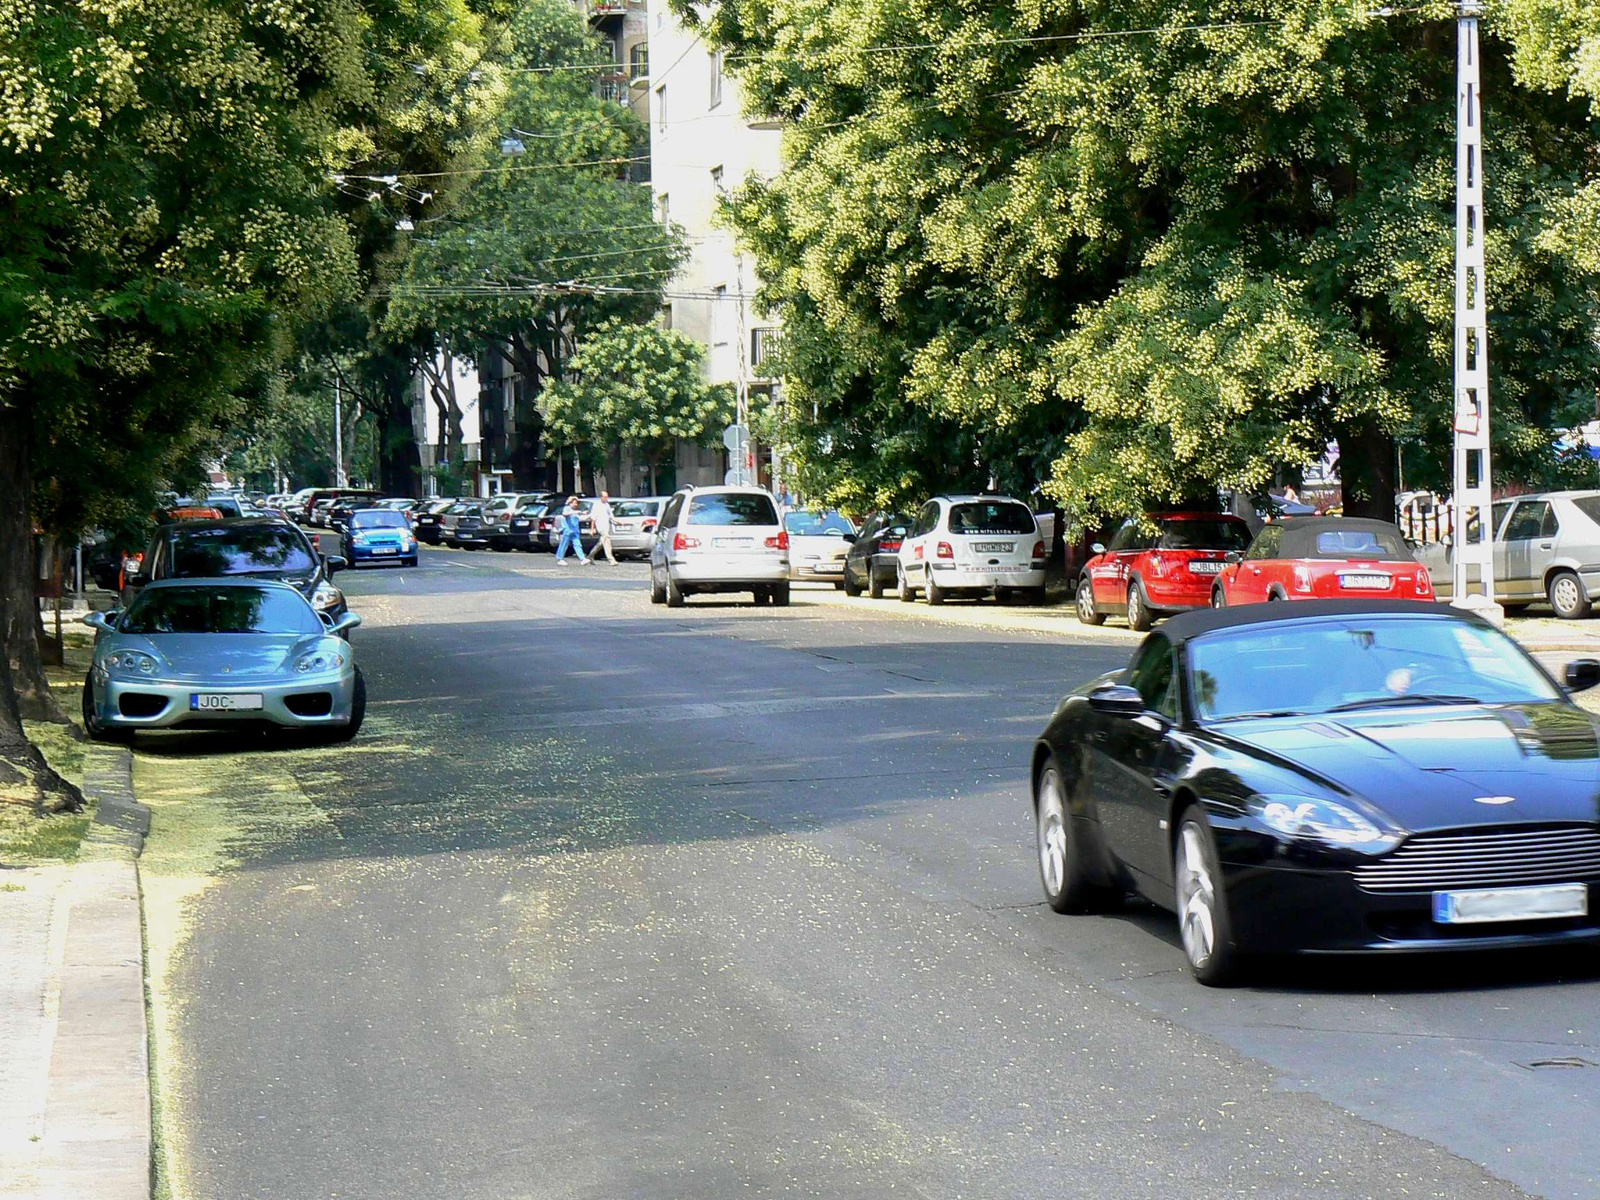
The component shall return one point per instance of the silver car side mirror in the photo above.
(348, 621)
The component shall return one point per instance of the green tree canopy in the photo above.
(1174, 248)
(638, 385)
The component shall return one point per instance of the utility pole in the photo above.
(338, 434)
(1473, 565)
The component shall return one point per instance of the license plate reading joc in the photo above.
(224, 701)
(1369, 581)
(1511, 904)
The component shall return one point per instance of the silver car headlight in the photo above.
(319, 660)
(129, 662)
(1320, 820)
(326, 596)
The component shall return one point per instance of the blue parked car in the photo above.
(379, 535)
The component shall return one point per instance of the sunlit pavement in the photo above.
(614, 900)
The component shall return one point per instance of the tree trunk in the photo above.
(25, 777)
(1367, 469)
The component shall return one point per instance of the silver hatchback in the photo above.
(1546, 547)
(720, 539)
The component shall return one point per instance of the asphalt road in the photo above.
(617, 901)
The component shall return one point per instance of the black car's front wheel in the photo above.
(1203, 923)
(1068, 885)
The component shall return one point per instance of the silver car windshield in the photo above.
(1367, 662)
(220, 610)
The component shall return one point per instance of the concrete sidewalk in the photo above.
(74, 1078)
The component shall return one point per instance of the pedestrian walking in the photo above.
(571, 533)
(600, 514)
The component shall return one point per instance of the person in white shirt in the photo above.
(600, 514)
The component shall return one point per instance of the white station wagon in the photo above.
(972, 545)
(720, 539)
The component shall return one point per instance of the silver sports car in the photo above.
(215, 652)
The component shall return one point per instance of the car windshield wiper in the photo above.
(1262, 714)
(1397, 701)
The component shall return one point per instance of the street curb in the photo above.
(97, 1137)
(119, 817)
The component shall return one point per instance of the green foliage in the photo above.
(638, 385)
(1028, 244)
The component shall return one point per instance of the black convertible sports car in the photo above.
(1334, 777)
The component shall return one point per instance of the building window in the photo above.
(763, 342)
(666, 209)
(666, 316)
(639, 61)
(716, 177)
(661, 108)
(719, 315)
(716, 78)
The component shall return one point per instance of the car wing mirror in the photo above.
(335, 562)
(338, 625)
(1582, 674)
(849, 537)
(1233, 556)
(103, 622)
(1118, 699)
(1097, 547)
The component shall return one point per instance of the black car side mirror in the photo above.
(335, 562)
(850, 537)
(1233, 556)
(1118, 699)
(1583, 674)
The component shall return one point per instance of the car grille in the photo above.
(309, 704)
(141, 704)
(1473, 858)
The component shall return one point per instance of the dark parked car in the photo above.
(462, 525)
(429, 514)
(516, 526)
(1327, 777)
(871, 564)
(264, 548)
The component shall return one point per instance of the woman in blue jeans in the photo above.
(571, 533)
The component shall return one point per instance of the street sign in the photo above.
(737, 440)
(738, 477)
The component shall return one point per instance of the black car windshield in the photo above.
(989, 516)
(816, 524)
(1204, 535)
(1320, 666)
(241, 550)
(380, 518)
(161, 610)
(731, 508)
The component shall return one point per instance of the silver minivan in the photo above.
(719, 539)
(1546, 547)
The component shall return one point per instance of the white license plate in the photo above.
(733, 543)
(1511, 904)
(224, 701)
(386, 550)
(1205, 568)
(1371, 582)
(993, 547)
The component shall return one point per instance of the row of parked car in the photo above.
(530, 521)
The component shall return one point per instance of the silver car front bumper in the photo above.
(177, 711)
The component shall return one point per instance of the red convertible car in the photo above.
(1322, 558)
(1165, 565)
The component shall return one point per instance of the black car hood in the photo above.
(1446, 767)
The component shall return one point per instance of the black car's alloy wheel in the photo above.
(850, 586)
(1203, 924)
(1087, 613)
(1067, 885)
(875, 587)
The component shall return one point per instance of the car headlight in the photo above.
(1321, 820)
(319, 660)
(357, 535)
(326, 596)
(129, 662)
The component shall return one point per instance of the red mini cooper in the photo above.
(1324, 558)
(1147, 573)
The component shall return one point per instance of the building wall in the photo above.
(701, 145)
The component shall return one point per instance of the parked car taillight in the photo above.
(1424, 583)
(1039, 552)
(1302, 578)
(781, 542)
(889, 544)
(946, 550)
(680, 542)
(649, 524)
